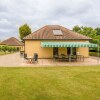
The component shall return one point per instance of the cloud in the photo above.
(38, 13)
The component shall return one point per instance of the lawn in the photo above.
(52, 83)
(3, 53)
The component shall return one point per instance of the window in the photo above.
(57, 32)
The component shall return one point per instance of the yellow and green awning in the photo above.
(68, 44)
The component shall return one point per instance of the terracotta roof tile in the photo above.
(47, 33)
(12, 42)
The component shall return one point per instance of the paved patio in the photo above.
(11, 60)
(14, 60)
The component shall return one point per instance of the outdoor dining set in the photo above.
(62, 57)
(69, 58)
(31, 59)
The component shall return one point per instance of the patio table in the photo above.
(61, 57)
(72, 58)
(30, 58)
(80, 57)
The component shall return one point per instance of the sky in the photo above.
(38, 13)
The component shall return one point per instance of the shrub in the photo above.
(0, 48)
(5, 48)
(10, 49)
(95, 54)
(14, 49)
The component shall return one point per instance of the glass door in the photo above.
(71, 51)
(74, 51)
(68, 51)
(55, 51)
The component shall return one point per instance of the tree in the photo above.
(97, 31)
(24, 30)
(76, 28)
(88, 31)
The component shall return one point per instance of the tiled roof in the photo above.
(12, 42)
(47, 33)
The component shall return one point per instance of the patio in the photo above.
(50, 62)
(15, 60)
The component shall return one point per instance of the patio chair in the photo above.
(80, 58)
(73, 58)
(21, 53)
(26, 59)
(25, 56)
(67, 58)
(35, 58)
(62, 57)
(55, 57)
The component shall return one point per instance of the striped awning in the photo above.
(68, 44)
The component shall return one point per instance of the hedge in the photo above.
(95, 54)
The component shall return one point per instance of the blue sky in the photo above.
(37, 13)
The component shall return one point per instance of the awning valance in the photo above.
(68, 44)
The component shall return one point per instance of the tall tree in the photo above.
(76, 28)
(97, 31)
(88, 31)
(24, 30)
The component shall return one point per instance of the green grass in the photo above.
(55, 83)
(3, 53)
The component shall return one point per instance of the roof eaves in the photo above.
(58, 39)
